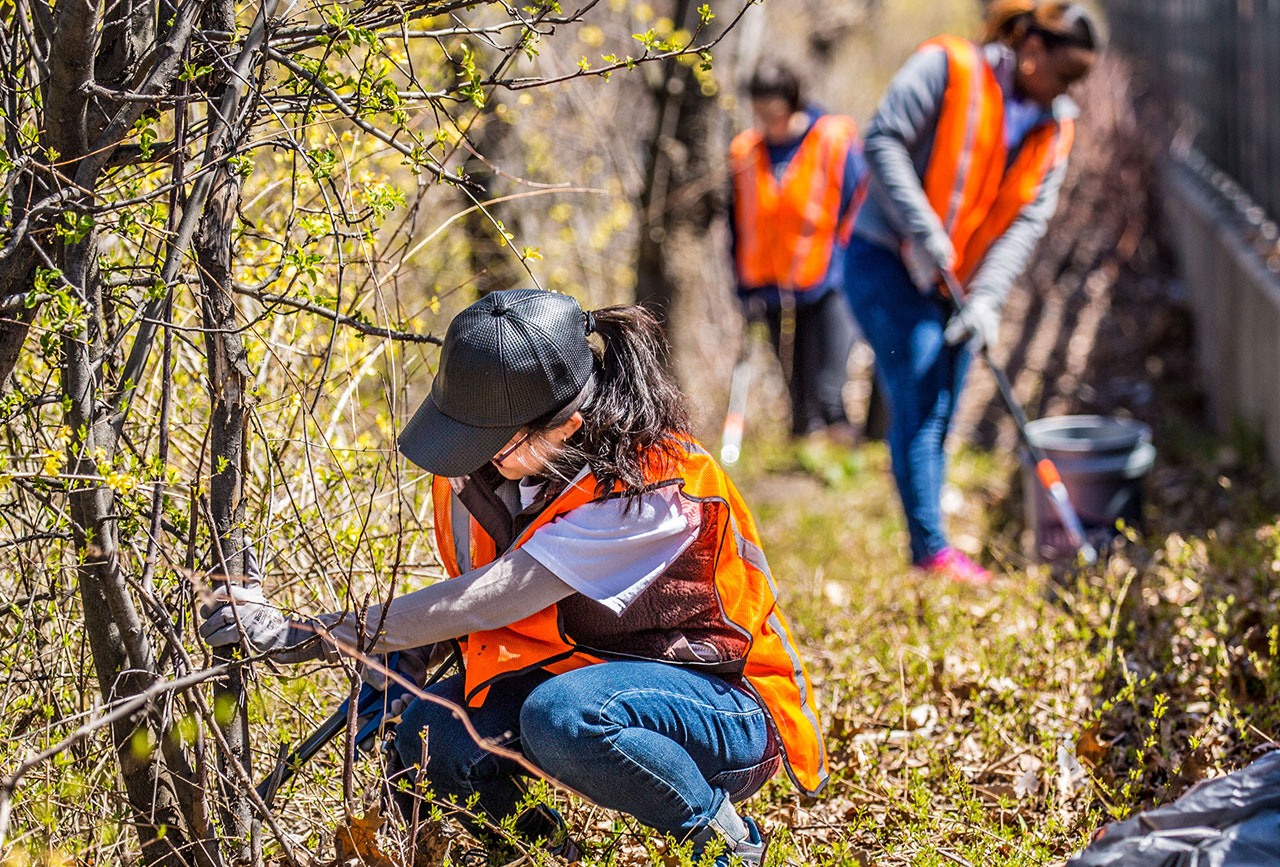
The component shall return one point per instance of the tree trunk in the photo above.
(228, 387)
(690, 134)
(122, 654)
(19, 272)
(492, 262)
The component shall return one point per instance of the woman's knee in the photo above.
(555, 718)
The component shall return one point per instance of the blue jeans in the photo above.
(663, 743)
(922, 377)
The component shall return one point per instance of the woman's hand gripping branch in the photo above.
(242, 613)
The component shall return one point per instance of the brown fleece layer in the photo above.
(677, 618)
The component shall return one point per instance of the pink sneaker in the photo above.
(951, 563)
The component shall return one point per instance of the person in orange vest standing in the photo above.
(966, 156)
(617, 619)
(798, 178)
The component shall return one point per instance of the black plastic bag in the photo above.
(1232, 821)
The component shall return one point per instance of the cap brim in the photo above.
(447, 447)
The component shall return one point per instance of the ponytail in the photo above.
(1057, 24)
(636, 410)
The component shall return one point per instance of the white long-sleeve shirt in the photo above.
(604, 550)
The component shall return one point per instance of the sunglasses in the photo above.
(511, 449)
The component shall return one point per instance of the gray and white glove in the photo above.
(925, 260)
(263, 627)
(977, 322)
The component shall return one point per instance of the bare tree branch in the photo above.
(341, 318)
(194, 206)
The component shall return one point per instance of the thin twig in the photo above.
(340, 318)
(121, 710)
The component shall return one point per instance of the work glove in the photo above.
(265, 628)
(977, 322)
(927, 259)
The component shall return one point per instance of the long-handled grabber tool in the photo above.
(735, 419)
(1046, 472)
(372, 709)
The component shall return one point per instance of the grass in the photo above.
(937, 698)
(1003, 725)
(992, 726)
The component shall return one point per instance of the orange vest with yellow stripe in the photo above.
(736, 573)
(970, 183)
(788, 230)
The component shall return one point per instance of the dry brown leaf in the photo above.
(1071, 776)
(431, 845)
(357, 840)
(1090, 748)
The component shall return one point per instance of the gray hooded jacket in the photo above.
(898, 145)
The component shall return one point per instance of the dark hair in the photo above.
(1058, 24)
(636, 412)
(775, 80)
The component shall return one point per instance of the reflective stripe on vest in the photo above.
(781, 683)
(460, 542)
(968, 182)
(772, 668)
(787, 230)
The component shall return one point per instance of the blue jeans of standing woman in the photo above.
(921, 375)
(663, 743)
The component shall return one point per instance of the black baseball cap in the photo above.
(515, 357)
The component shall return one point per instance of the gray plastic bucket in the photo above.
(1102, 461)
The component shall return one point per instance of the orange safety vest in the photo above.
(788, 230)
(743, 585)
(970, 184)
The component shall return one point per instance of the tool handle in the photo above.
(367, 702)
(735, 418)
(288, 766)
(1046, 472)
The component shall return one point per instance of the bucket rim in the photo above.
(1111, 433)
(1130, 465)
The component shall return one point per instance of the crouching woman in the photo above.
(618, 621)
